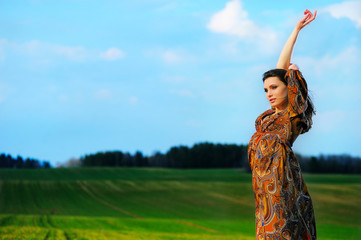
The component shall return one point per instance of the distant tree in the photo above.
(72, 162)
(314, 165)
(207, 155)
(31, 163)
(46, 164)
(128, 160)
(19, 162)
(178, 157)
(118, 158)
(157, 160)
(140, 160)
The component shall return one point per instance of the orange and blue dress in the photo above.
(284, 207)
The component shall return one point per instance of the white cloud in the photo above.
(234, 20)
(102, 94)
(173, 79)
(133, 100)
(36, 48)
(63, 97)
(112, 54)
(182, 92)
(44, 51)
(345, 62)
(171, 57)
(349, 9)
(78, 53)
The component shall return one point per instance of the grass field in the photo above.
(149, 203)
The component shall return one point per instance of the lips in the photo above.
(272, 100)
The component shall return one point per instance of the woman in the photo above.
(283, 205)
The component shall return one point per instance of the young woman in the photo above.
(284, 207)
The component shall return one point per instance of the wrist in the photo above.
(297, 29)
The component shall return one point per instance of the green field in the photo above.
(152, 203)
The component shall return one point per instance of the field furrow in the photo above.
(164, 204)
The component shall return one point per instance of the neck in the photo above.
(281, 108)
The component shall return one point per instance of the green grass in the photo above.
(150, 203)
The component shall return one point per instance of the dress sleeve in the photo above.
(297, 93)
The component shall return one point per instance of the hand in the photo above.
(309, 17)
(293, 66)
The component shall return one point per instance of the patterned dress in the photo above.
(284, 207)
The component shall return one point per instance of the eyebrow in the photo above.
(272, 84)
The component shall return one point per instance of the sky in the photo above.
(78, 77)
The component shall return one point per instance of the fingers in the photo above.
(309, 17)
(304, 19)
(312, 16)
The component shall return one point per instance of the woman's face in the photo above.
(276, 92)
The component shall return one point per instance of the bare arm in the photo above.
(286, 53)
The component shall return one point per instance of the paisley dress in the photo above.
(284, 207)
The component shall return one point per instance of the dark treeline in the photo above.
(7, 161)
(209, 155)
(330, 164)
(202, 155)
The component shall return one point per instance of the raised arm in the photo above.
(285, 56)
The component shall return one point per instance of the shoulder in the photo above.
(262, 116)
(266, 113)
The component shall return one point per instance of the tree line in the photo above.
(200, 155)
(7, 161)
(343, 164)
(209, 155)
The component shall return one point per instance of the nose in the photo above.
(269, 94)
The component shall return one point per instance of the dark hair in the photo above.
(281, 74)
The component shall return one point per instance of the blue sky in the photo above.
(77, 77)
